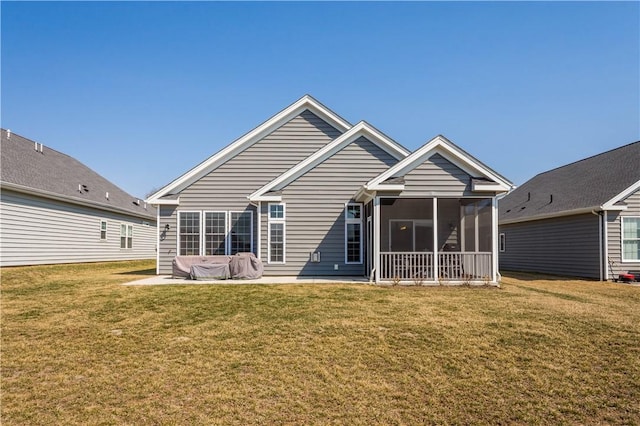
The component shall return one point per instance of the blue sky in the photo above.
(143, 91)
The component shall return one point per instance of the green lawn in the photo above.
(79, 348)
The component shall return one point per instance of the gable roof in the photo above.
(491, 180)
(49, 173)
(305, 103)
(594, 183)
(361, 129)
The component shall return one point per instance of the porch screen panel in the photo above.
(631, 238)
(214, 233)
(484, 226)
(189, 233)
(241, 232)
(469, 212)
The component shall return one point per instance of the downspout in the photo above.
(376, 239)
(158, 240)
(605, 236)
(599, 243)
(258, 207)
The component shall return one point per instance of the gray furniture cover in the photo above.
(245, 266)
(209, 271)
(182, 264)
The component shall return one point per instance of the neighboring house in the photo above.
(54, 209)
(582, 219)
(311, 194)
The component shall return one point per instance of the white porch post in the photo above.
(259, 237)
(159, 229)
(494, 239)
(376, 238)
(605, 219)
(436, 261)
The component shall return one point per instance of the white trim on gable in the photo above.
(360, 129)
(305, 103)
(440, 145)
(610, 205)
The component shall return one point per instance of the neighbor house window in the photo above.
(276, 233)
(215, 232)
(353, 233)
(126, 236)
(103, 229)
(189, 233)
(503, 243)
(631, 239)
(241, 232)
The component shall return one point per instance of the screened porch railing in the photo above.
(452, 266)
(405, 266)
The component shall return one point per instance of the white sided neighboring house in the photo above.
(54, 209)
(314, 195)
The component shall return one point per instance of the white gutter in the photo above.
(584, 210)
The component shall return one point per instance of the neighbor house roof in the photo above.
(30, 167)
(303, 104)
(595, 183)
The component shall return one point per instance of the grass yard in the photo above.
(79, 348)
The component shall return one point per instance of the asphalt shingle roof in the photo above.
(587, 183)
(56, 173)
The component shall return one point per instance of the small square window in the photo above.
(353, 211)
(276, 211)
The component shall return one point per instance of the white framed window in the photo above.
(277, 211)
(503, 242)
(630, 239)
(240, 232)
(189, 233)
(103, 229)
(215, 233)
(276, 230)
(126, 236)
(353, 233)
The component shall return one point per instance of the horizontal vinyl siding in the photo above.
(227, 187)
(437, 176)
(562, 246)
(35, 230)
(315, 205)
(168, 238)
(614, 235)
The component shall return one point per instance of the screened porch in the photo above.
(429, 239)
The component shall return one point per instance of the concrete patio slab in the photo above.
(168, 280)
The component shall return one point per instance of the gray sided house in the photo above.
(313, 195)
(582, 219)
(54, 209)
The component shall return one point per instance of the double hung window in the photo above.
(631, 239)
(126, 236)
(103, 229)
(353, 233)
(215, 231)
(276, 231)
